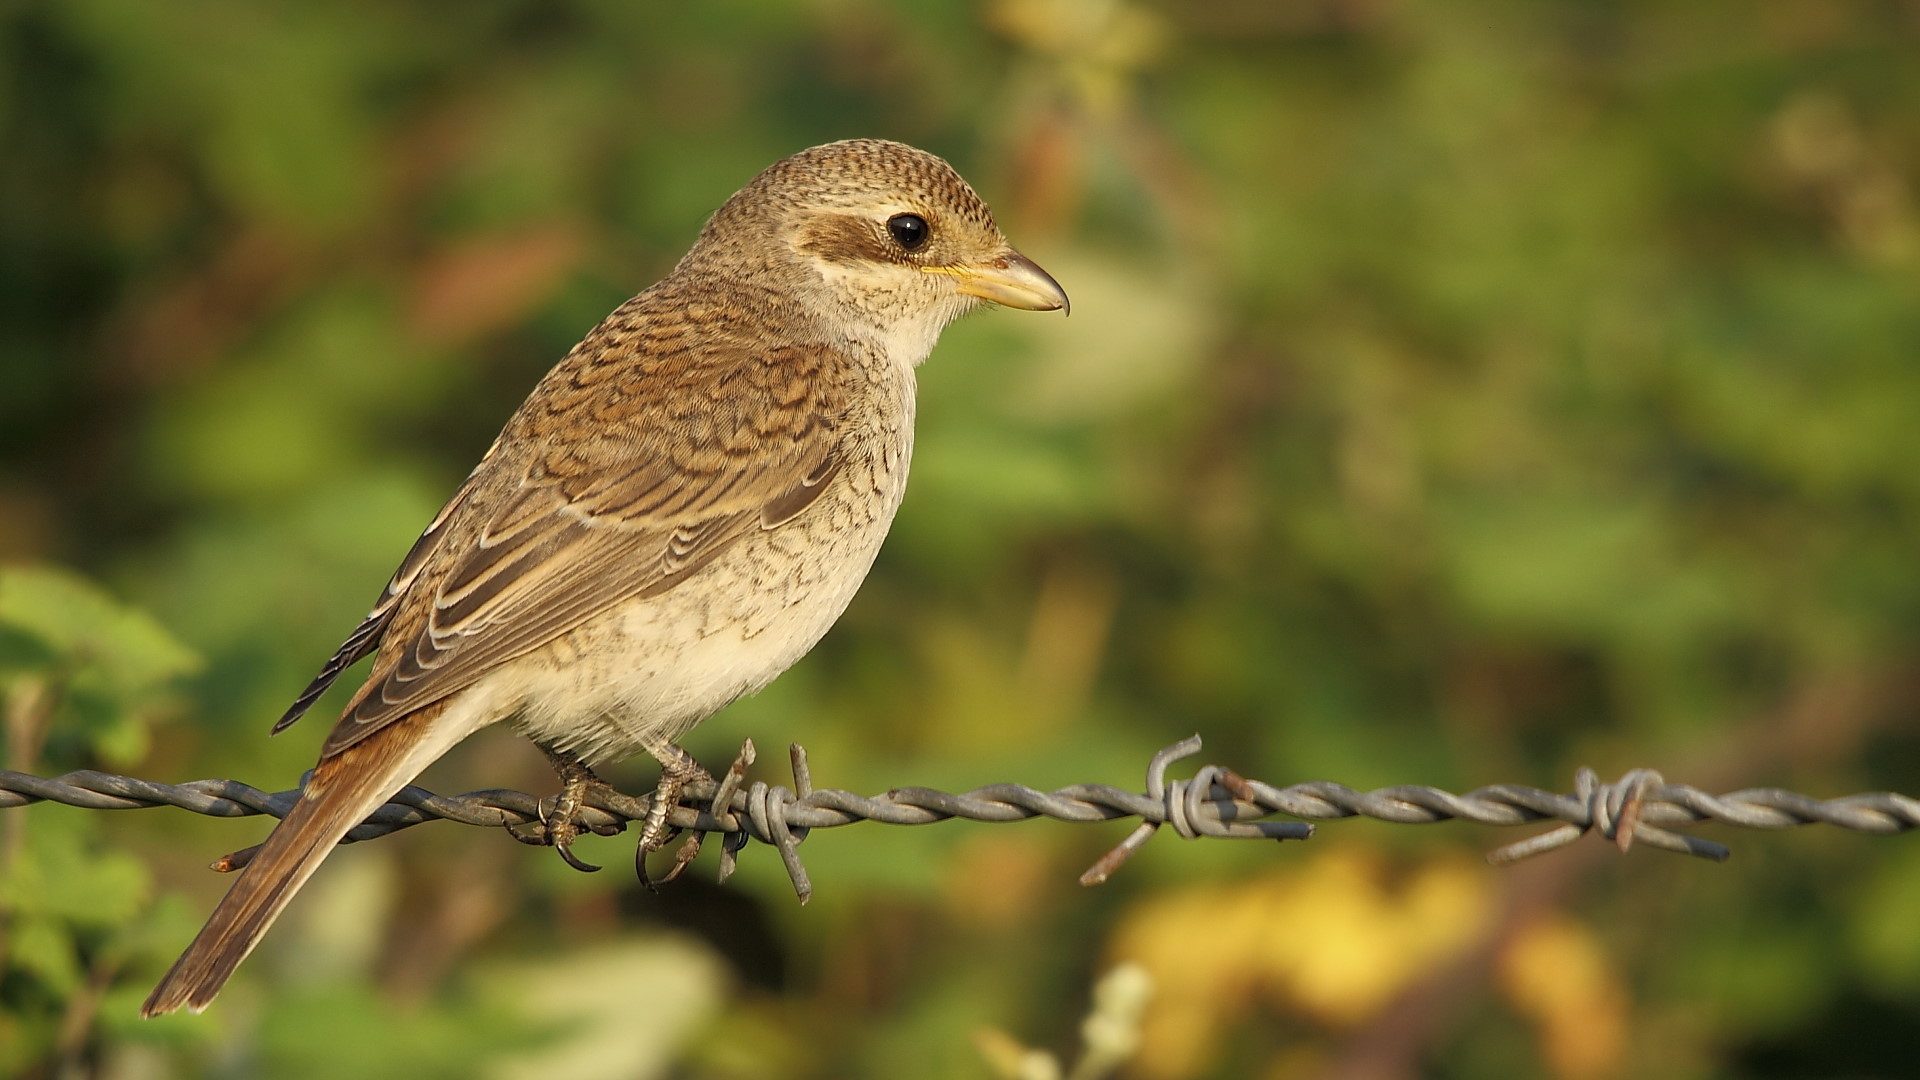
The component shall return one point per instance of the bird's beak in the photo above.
(1009, 279)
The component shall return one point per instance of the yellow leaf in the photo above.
(1334, 938)
(1557, 975)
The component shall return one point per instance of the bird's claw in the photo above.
(561, 826)
(677, 769)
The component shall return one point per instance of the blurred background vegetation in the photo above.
(1455, 394)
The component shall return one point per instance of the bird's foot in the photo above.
(561, 825)
(667, 795)
(677, 769)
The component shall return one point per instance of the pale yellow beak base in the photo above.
(1010, 280)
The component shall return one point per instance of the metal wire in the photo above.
(1214, 802)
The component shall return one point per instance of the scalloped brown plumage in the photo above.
(676, 514)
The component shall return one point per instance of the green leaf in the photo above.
(129, 650)
(44, 948)
(57, 876)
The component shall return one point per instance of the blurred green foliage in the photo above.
(1454, 394)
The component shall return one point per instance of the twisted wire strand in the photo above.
(1638, 808)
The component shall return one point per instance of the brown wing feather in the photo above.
(666, 476)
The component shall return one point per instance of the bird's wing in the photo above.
(629, 477)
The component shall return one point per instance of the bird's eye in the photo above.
(909, 230)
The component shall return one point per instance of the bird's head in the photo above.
(878, 237)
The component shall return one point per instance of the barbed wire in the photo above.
(1214, 802)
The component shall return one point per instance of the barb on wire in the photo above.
(1638, 808)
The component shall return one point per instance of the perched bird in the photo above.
(676, 514)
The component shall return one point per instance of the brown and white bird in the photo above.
(675, 515)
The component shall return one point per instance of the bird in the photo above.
(677, 513)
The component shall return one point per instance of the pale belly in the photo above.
(642, 675)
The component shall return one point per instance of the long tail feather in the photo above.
(343, 790)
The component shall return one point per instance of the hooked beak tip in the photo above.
(1010, 280)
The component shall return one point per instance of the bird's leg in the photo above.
(677, 769)
(563, 821)
(722, 798)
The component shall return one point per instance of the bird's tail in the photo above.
(343, 790)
